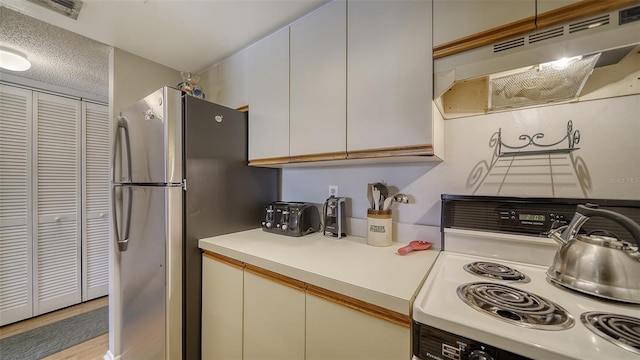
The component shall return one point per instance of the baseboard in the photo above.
(108, 356)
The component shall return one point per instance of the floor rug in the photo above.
(50, 339)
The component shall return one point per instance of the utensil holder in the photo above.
(379, 227)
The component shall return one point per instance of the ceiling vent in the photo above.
(68, 8)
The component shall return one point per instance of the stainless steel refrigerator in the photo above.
(180, 174)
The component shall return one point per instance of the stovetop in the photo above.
(439, 305)
(509, 235)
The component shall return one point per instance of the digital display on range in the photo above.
(531, 217)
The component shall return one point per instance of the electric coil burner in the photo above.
(621, 330)
(487, 295)
(515, 306)
(495, 271)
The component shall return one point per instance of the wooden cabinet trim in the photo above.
(362, 306)
(417, 150)
(224, 259)
(391, 152)
(269, 161)
(564, 14)
(332, 296)
(243, 108)
(318, 157)
(273, 276)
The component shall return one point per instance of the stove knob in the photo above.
(480, 355)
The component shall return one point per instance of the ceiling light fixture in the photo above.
(13, 60)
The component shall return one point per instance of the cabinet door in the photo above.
(95, 201)
(222, 293)
(318, 81)
(389, 74)
(544, 6)
(338, 332)
(453, 20)
(227, 81)
(268, 84)
(273, 319)
(15, 205)
(57, 175)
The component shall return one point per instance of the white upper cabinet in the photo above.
(268, 87)
(389, 75)
(227, 81)
(318, 81)
(453, 20)
(547, 5)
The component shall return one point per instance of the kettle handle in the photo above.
(591, 211)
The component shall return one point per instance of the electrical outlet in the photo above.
(333, 190)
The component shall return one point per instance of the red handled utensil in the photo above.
(415, 245)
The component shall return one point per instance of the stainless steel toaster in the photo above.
(291, 218)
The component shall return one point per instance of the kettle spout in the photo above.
(574, 226)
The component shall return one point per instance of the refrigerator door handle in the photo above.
(123, 242)
(122, 124)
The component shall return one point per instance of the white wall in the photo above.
(130, 79)
(607, 164)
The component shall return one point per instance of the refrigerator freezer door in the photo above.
(223, 194)
(149, 140)
(150, 296)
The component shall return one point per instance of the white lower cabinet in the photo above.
(335, 332)
(273, 319)
(251, 313)
(222, 293)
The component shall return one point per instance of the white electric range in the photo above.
(525, 316)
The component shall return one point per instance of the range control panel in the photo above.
(531, 216)
(536, 219)
(430, 343)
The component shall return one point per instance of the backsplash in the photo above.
(604, 163)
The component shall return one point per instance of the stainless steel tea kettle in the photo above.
(597, 263)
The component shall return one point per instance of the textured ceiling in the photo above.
(58, 57)
(185, 35)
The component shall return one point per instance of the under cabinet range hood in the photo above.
(586, 59)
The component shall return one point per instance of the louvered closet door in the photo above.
(15, 205)
(57, 203)
(95, 220)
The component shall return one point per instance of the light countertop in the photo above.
(349, 266)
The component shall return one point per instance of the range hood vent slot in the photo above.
(548, 34)
(510, 44)
(589, 24)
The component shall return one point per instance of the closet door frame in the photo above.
(89, 248)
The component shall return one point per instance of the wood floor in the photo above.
(93, 349)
